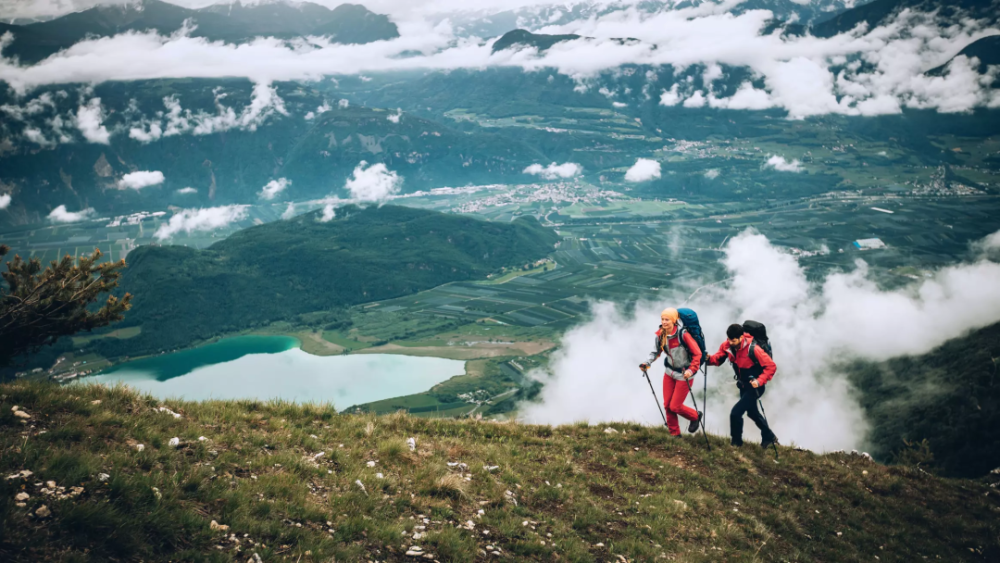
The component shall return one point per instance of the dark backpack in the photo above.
(759, 333)
(689, 320)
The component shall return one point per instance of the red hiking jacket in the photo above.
(742, 359)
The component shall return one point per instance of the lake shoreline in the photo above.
(275, 367)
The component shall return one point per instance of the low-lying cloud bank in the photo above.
(367, 184)
(62, 215)
(861, 72)
(781, 165)
(813, 326)
(553, 170)
(47, 126)
(208, 219)
(141, 179)
(273, 188)
(375, 183)
(644, 169)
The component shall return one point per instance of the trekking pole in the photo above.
(700, 422)
(764, 414)
(704, 394)
(655, 398)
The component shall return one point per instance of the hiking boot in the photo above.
(767, 443)
(736, 444)
(693, 427)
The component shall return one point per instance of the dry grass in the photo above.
(451, 485)
(304, 484)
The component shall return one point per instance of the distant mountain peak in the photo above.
(233, 22)
(525, 38)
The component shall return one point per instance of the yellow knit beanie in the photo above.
(670, 313)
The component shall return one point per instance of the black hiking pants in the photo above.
(748, 405)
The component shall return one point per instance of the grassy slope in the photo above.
(586, 495)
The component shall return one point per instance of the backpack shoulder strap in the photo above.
(752, 352)
(680, 336)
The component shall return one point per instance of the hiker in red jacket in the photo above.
(683, 358)
(754, 368)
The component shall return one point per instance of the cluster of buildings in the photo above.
(60, 377)
(560, 192)
(477, 397)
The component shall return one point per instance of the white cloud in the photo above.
(187, 190)
(644, 169)
(329, 212)
(343, 103)
(696, 100)
(797, 72)
(746, 97)
(553, 171)
(264, 103)
(273, 188)
(781, 165)
(141, 179)
(60, 215)
(394, 117)
(805, 321)
(59, 126)
(670, 97)
(712, 173)
(5, 201)
(323, 108)
(989, 246)
(619, 105)
(992, 242)
(289, 211)
(146, 132)
(36, 106)
(89, 120)
(712, 73)
(36, 136)
(207, 219)
(374, 183)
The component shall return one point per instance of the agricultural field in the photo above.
(614, 247)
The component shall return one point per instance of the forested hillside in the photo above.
(949, 397)
(282, 269)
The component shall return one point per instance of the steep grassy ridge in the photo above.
(303, 484)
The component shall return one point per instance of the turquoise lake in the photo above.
(273, 367)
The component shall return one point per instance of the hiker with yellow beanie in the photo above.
(682, 361)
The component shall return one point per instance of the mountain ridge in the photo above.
(234, 23)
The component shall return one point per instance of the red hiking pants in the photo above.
(674, 393)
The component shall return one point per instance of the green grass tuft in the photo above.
(531, 493)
